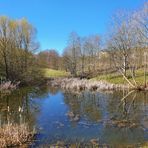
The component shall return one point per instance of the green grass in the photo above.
(50, 73)
(114, 78)
(117, 78)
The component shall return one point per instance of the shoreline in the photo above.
(8, 86)
(84, 84)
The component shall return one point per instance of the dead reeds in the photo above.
(15, 135)
(83, 84)
(8, 86)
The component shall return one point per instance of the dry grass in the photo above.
(8, 86)
(78, 84)
(15, 135)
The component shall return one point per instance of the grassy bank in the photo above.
(111, 78)
(37, 77)
(50, 73)
(15, 135)
(116, 78)
(110, 81)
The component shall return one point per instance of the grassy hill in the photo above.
(50, 73)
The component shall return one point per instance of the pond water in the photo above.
(75, 117)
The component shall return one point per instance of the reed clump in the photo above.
(84, 84)
(12, 135)
(8, 85)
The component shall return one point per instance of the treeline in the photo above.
(80, 56)
(127, 44)
(50, 59)
(17, 44)
(125, 47)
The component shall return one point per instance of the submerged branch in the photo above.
(127, 95)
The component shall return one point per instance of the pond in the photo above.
(75, 117)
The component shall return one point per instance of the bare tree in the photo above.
(53, 59)
(140, 20)
(92, 47)
(72, 53)
(121, 42)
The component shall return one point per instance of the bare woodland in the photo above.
(124, 50)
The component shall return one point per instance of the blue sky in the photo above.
(55, 19)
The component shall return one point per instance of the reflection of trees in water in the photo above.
(119, 105)
(91, 106)
(84, 104)
(126, 113)
(42, 92)
(39, 92)
(73, 101)
(128, 105)
(20, 106)
(53, 90)
(17, 107)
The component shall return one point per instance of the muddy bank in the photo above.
(84, 84)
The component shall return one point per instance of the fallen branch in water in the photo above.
(127, 95)
(132, 85)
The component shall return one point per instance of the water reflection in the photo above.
(20, 106)
(85, 104)
(132, 107)
(69, 116)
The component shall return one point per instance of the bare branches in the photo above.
(128, 40)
